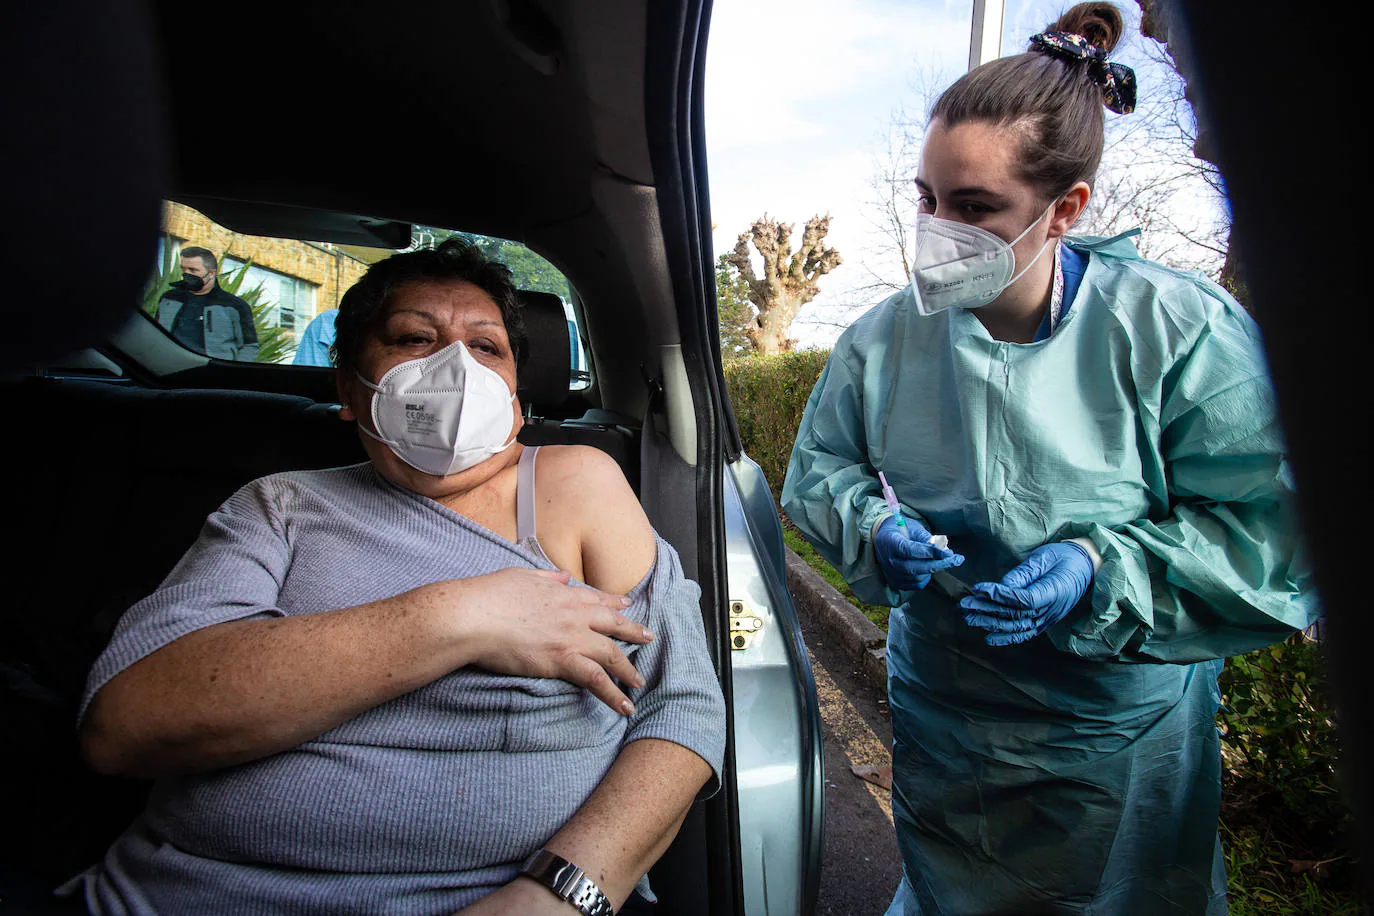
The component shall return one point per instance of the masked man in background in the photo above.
(198, 312)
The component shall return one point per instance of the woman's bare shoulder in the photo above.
(579, 462)
(582, 489)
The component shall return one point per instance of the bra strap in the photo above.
(524, 494)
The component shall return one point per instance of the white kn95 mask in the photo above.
(443, 413)
(962, 266)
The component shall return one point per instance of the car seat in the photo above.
(545, 381)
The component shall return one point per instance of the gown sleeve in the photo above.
(1223, 572)
(831, 491)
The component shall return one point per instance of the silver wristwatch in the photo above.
(568, 881)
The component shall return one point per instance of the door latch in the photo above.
(743, 625)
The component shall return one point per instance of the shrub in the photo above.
(769, 396)
(1284, 821)
(1277, 728)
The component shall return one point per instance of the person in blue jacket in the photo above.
(317, 340)
(1093, 510)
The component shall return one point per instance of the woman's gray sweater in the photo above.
(424, 803)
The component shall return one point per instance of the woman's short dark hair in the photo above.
(1050, 101)
(363, 306)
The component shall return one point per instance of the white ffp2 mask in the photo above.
(962, 266)
(443, 413)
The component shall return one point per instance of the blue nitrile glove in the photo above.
(1031, 597)
(904, 555)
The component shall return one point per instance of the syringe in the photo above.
(946, 581)
(892, 503)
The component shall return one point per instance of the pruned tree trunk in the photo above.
(789, 279)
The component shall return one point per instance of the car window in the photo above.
(531, 272)
(252, 298)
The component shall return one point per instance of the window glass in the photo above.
(529, 271)
(264, 293)
(274, 299)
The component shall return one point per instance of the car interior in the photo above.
(563, 125)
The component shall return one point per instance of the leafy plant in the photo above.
(735, 314)
(1239, 288)
(529, 270)
(161, 280)
(275, 344)
(1285, 823)
(1276, 723)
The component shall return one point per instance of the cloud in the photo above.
(798, 97)
(780, 71)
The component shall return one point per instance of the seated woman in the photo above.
(378, 688)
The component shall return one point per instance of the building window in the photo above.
(290, 300)
(168, 259)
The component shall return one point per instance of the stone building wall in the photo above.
(331, 270)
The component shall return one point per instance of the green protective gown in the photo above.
(1078, 772)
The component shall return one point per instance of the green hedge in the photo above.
(769, 396)
(1285, 824)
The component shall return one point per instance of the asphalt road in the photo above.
(861, 866)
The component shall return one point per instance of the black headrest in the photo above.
(84, 147)
(547, 371)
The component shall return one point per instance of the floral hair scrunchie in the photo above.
(1117, 80)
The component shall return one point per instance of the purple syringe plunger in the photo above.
(891, 498)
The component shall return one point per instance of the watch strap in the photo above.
(568, 882)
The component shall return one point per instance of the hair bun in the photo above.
(1100, 23)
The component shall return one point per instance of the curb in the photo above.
(861, 638)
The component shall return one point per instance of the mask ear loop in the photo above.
(376, 388)
(389, 443)
(362, 427)
(1032, 261)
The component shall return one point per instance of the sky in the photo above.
(800, 95)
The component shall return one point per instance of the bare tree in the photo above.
(789, 279)
(1153, 178)
(893, 197)
(1154, 24)
(891, 204)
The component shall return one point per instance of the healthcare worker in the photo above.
(1095, 435)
